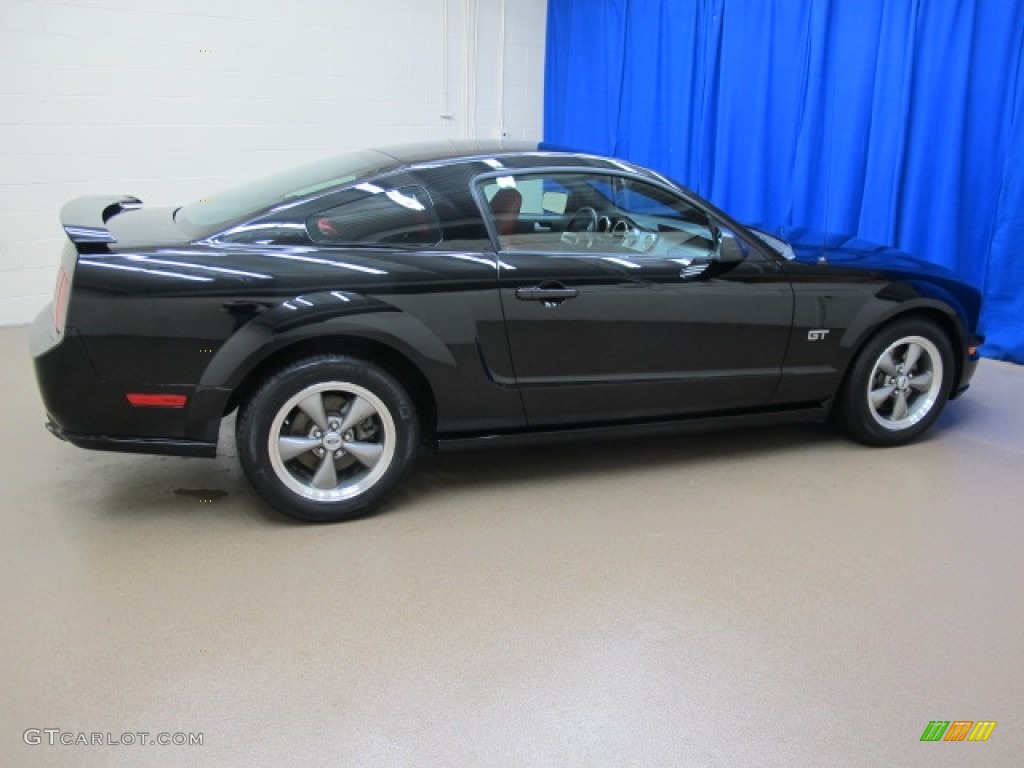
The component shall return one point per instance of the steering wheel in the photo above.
(583, 224)
(584, 220)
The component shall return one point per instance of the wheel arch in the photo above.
(944, 317)
(334, 322)
(373, 351)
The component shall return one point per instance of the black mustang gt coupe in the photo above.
(361, 308)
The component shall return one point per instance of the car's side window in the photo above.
(371, 215)
(590, 212)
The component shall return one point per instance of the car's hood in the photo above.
(811, 246)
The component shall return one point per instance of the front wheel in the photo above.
(898, 385)
(327, 438)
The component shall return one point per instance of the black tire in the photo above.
(327, 404)
(898, 384)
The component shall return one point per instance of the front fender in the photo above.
(910, 295)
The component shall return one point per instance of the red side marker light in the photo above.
(143, 400)
(60, 300)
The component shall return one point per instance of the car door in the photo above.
(624, 301)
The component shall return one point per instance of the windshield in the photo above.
(212, 214)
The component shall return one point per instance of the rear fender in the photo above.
(264, 330)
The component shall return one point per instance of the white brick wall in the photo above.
(170, 100)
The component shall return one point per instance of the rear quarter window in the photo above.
(375, 216)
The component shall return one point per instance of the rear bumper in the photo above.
(154, 445)
(90, 412)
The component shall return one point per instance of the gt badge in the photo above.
(817, 334)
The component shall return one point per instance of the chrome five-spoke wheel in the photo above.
(898, 383)
(905, 383)
(331, 441)
(326, 438)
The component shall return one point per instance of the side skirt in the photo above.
(452, 443)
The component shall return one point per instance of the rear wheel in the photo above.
(899, 383)
(327, 438)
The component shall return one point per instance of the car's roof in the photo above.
(513, 154)
(435, 151)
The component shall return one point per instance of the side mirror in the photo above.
(728, 247)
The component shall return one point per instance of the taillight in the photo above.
(61, 294)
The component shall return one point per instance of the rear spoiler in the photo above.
(85, 218)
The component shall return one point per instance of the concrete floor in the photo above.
(759, 598)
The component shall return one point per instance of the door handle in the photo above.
(545, 294)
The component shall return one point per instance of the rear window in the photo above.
(210, 215)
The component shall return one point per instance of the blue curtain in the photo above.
(896, 121)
